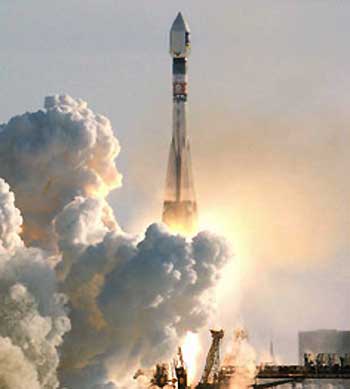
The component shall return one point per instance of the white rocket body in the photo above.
(180, 45)
(180, 207)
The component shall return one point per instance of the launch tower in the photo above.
(212, 365)
(180, 206)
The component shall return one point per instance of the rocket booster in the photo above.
(180, 207)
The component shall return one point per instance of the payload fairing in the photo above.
(180, 206)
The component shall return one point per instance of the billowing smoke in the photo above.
(10, 221)
(16, 371)
(32, 315)
(51, 156)
(130, 301)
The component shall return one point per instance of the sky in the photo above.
(268, 121)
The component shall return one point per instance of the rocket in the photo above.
(180, 206)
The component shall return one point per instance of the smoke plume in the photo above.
(32, 315)
(51, 156)
(16, 371)
(130, 300)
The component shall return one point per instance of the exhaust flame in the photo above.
(177, 228)
(191, 350)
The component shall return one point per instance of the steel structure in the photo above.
(294, 374)
(212, 365)
(180, 370)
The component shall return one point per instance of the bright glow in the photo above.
(220, 222)
(190, 350)
(177, 228)
(237, 274)
(99, 191)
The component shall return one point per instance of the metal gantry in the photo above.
(212, 365)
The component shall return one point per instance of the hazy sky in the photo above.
(269, 123)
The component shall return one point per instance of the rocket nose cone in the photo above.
(180, 43)
(180, 24)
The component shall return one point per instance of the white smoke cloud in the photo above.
(16, 372)
(32, 315)
(51, 156)
(131, 302)
(10, 220)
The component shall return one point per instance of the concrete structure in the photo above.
(180, 206)
(323, 341)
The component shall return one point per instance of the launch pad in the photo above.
(217, 376)
(320, 367)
